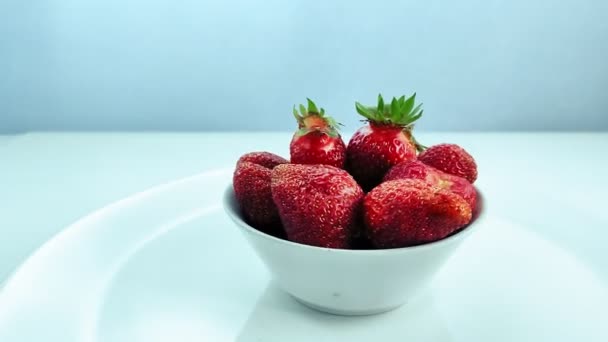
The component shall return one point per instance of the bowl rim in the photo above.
(229, 204)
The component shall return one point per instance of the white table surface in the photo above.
(550, 183)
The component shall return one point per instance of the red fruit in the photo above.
(251, 183)
(265, 159)
(317, 140)
(386, 141)
(419, 170)
(409, 212)
(319, 205)
(452, 159)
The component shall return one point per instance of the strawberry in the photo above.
(407, 212)
(452, 159)
(384, 142)
(265, 159)
(251, 183)
(319, 205)
(418, 170)
(317, 140)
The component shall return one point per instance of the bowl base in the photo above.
(341, 312)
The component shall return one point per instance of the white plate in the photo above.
(168, 265)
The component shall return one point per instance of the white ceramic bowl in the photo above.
(349, 282)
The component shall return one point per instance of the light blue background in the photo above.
(220, 65)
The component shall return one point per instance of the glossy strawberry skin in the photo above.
(452, 159)
(319, 205)
(317, 147)
(408, 212)
(418, 170)
(251, 183)
(374, 149)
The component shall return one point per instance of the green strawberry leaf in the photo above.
(416, 116)
(364, 111)
(296, 114)
(395, 106)
(400, 112)
(415, 111)
(380, 104)
(331, 122)
(409, 104)
(332, 133)
(312, 108)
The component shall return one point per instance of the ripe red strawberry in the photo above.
(409, 212)
(319, 205)
(251, 183)
(452, 159)
(419, 170)
(317, 140)
(265, 159)
(386, 141)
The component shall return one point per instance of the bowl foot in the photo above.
(341, 312)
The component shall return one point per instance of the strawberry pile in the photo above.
(382, 190)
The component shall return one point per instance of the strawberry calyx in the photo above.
(313, 119)
(400, 112)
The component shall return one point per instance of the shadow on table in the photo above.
(278, 317)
